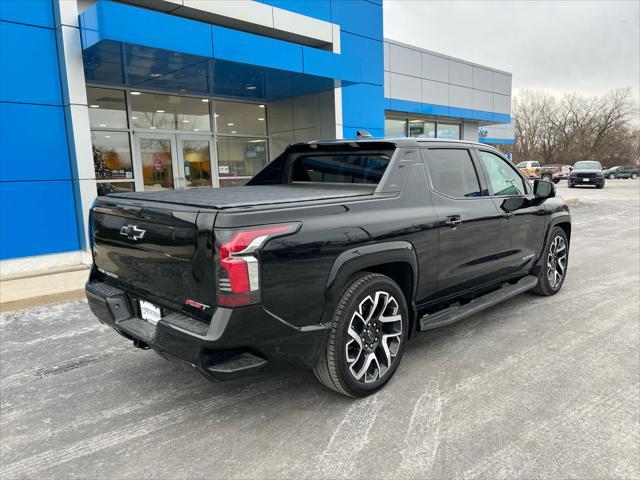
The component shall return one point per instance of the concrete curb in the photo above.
(41, 290)
(21, 304)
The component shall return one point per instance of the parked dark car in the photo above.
(625, 171)
(610, 172)
(587, 172)
(330, 259)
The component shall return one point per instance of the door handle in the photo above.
(453, 221)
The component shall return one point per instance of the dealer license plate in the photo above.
(585, 179)
(150, 312)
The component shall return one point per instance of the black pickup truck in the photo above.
(329, 259)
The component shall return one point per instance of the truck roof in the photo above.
(398, 141)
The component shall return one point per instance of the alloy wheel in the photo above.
(373, 337)
(557, 261)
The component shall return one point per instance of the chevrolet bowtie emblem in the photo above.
(132, 232)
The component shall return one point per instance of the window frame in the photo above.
(527, 185)
(425, 151)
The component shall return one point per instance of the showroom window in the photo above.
(107, 108)
(146, 140)
(156, 111)
(110, 140)
(241, 141)
(395, 127)
(421, 128)
(449, 130)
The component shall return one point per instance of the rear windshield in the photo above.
(366, 168)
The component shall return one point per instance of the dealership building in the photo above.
(110, 96)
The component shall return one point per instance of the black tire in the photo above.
(634, 176)
(611, 176)
(556, 180)
(546, 178)
(571, 185)
(601, 186)
(545, 286)
(333, 369)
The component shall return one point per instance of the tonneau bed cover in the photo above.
(248, 196)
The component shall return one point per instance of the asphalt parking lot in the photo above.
(535, 387)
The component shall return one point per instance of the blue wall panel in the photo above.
(482, 115)
(358, 16)
(460, 112)
(503, 141)
(404, 106)
(363, 106)
(242, 47)
(45, 210)
(139, 26)
(34, 143)
(369, 53)
(439, 110)
(31, 12)
(501, 118)
(28, 65)
(320, 9)
(328, 64)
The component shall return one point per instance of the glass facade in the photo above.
(421, 128)
(150, 141)
(112, 155)
(240, 158)
(156, 111)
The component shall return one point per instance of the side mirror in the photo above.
(543, 189)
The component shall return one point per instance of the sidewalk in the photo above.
(40, 290)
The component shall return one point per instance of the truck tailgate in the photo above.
(162, 252)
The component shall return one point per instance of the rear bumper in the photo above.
(238, 342)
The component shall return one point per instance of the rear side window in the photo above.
(340, 168)
(453, 173)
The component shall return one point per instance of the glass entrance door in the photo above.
(167, 161)
(194, 153)
(156, 161)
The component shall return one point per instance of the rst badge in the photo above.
(198, 305)
(132, 232)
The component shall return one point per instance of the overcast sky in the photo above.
(588, 47)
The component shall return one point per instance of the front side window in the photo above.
(502, 178)
(340, 168)
(453, 173)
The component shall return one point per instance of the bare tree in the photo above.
(575, 128)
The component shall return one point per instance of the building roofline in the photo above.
(442, 55)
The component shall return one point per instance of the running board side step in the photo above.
(454, 313)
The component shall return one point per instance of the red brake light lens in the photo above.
(238, 263)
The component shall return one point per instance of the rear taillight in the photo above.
(238, 271)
